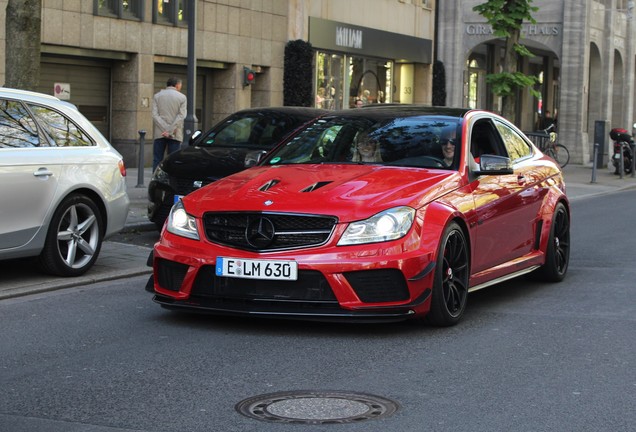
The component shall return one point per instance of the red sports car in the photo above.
(373, 214)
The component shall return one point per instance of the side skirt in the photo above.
(503, 278)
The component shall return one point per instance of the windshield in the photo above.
(257, 130)
(411, 141)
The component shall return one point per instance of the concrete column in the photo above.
(575, 89)
(132, 91)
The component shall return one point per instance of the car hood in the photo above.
(350, 192)
(200, 163)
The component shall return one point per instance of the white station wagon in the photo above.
(62, 185)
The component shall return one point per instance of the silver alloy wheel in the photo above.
(74, 238)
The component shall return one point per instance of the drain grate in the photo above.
(316, 407)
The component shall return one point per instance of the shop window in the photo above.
(342, 79)
(170, 12)
(127, 9)
(369, 80)
(330, 73)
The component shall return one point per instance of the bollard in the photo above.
(632, 148)
(621, 161)
(596, 147)
(140, 164)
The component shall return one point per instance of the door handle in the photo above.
(43, 172)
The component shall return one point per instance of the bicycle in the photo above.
(556, 151)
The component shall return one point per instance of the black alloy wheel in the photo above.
(450, 288)
(557, 255)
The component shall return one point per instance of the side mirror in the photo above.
(254, 157)
(194, 137)
(494, 165)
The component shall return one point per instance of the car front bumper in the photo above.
(379, 282)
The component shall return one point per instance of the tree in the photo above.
(506, 18)
(23, 38)
(297, 89)
(439, 84)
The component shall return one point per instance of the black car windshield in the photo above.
(257, 130)
(424, 141)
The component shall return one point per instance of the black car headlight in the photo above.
(181, 223)
(160, 176)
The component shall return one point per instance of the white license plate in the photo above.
(177, 198)
(256, 269)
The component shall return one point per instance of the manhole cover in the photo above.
(316, 407)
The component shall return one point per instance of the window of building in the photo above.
(342, 79)
(127, 9)
(170, 12)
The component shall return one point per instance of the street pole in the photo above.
(191, 122)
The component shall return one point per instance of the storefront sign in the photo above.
(348, 37)
(343, 37)
(528, 30)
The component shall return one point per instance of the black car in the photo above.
(220, 152)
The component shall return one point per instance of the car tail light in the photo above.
(122, 168)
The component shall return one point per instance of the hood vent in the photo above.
(315, 186)
(270, 184)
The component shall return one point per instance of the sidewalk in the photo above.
(121, 260)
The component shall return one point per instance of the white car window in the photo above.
(63, 131)
(17, 128)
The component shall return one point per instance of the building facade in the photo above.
(109, 57)
(584, 54)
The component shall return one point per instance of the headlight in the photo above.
(388, 225)
(181, 223)
(160, 175)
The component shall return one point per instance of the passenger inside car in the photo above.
(366, 149)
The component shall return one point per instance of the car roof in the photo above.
(397, 110)
(290, 110)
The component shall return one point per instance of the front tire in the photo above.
(450, 287)
(74, 238)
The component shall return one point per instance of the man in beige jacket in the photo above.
(168, 113)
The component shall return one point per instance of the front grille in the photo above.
(184, 186)
(310, 286)
(376, 286)
(267, 231)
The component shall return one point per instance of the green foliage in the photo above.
(506, 15)
(505, 83)
(506, 18)
(297, 74)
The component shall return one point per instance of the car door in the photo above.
(29, 174)
(503, 228)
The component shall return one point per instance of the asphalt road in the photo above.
(526, 357)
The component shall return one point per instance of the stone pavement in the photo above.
(120, 260)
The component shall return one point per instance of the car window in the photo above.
(484, 139)
(515, 145)
(233, 133)
(17, 128)
(263, 131)
(410, 141)
(62, 130)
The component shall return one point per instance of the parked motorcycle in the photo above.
(623, 145)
